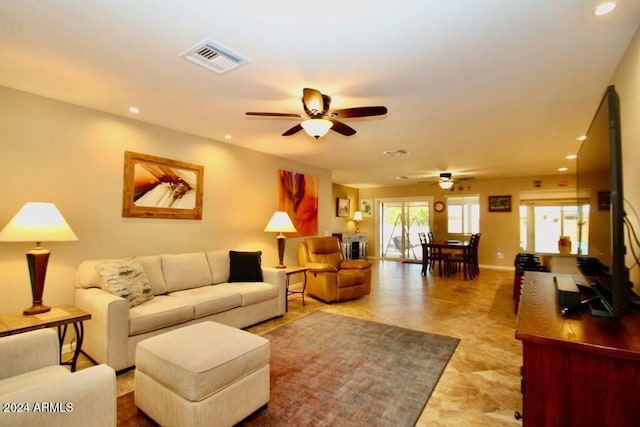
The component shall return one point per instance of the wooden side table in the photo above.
(290, 271)
(60, 316)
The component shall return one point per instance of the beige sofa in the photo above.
(186, 288)
(36, 390)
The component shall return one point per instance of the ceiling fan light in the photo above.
(445, 185)
(316, 127)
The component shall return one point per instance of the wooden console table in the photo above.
(60, 316)
(579, 370)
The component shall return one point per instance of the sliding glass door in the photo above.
(400, 222)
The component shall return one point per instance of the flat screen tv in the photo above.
(599, 173)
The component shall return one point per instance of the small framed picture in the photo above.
(342, 207)
(499, 203)
(366, 207)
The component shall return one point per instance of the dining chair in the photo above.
(467, 260)
(425, 252)
(475, 250)
(435, 255)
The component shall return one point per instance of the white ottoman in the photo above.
(205, 374)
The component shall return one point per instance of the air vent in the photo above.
(213, 56)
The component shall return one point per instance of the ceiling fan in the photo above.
(318, 118)
(446, 180)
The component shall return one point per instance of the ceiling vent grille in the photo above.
(213, 56)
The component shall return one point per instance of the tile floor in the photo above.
(481, 384)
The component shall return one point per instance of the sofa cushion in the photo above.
(245, 266)
(252, 292)
(153, 268)
(127, 280)
(219, 265)
(186, 271)
(210, 299)
(158, 313)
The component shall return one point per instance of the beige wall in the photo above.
(73, 157)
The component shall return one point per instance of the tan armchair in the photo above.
(32, 380)
(331, 277)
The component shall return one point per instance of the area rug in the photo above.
(333, 370)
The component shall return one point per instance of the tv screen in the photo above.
(599, 174)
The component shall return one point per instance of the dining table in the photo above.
(438, 246)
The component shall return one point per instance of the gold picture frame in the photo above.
(155, 187)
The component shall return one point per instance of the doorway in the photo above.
(400, 222)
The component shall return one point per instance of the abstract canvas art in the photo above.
(298, 196)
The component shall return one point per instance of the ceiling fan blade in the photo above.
(297, 128)
(252, 113)
(360, 112)
(312, 100)
(342, 128)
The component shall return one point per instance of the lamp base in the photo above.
(281, 242)
(36, 309)
(37, 259)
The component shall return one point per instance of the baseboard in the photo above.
(498, 267)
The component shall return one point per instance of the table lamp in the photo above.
(280, 223)
(37, 222)
(357, 218)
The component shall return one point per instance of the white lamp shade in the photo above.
(280, 223)
(37, 222)
(445, 185)
(357, 216)
(316, 127)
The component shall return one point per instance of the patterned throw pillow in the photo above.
(127, 280)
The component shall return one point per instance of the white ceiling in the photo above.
(480, 88)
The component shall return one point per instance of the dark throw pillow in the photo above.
(245, 266)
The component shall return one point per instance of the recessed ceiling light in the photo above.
(396, 152)
(604, 8)
(582, 138)
(571, 156)
(563, 169)
(228, 136)
(134, 110)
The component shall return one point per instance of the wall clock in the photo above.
(438, 206)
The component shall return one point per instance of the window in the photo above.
(400, 222)
(463, 215)
(543, 220)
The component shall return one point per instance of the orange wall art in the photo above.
(298, 196)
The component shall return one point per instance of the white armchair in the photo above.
(36, 390)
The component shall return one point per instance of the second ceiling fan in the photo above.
(446, 180)
(319, 119)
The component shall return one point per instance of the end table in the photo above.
(60, 316)
(290, 271)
